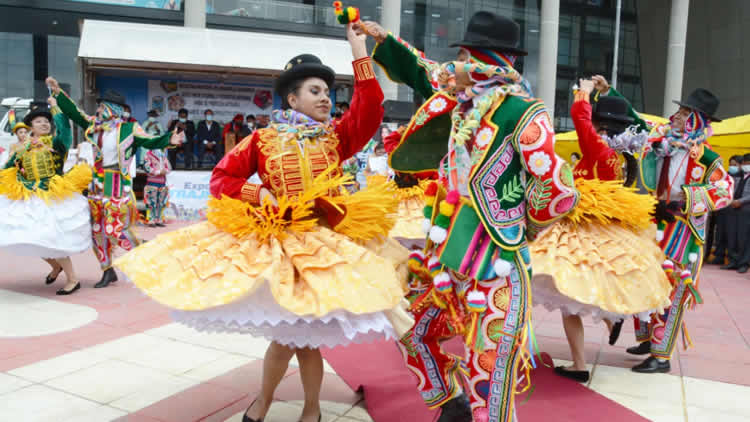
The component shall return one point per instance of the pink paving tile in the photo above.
(246, 378)
(720, 352)
(730, 372)
(194, 404)
(93, 334)
(137, 417)
(229, 411)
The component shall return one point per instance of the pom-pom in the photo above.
(427, 211)
(667, 266)
(438, 234)
(693, 257)
(447, 208)
(659, 235)
(345, 15)
(426, 225)
(453, 197)
(417, 254)
(431, 189)
(476, 301)
(502, 268)
(443, 283)
(443, 221)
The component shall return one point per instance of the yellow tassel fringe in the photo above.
(402, 194)
(367, 212)
(60, 187)
(610, 202)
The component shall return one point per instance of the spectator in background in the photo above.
(152, 127)
(250, 122)
(377, 163)
(739, 256)
(574, 157)
(127, 114)
(234, 132)
(726, 218)
(182, 124)
(262, 121)
(210, 145)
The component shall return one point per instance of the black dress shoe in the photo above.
(580, 376)
(246, 418)
(161, 225)
(63, 292)
(730, 266)
(652, 365)
(641, 349)
(456, 410)
(109, 276)
(49, 280)
(743, 269)
(615, 333)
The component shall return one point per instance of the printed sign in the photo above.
(225, 100)
(188, 195)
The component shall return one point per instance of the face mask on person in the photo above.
(183, 120)
(209, 117)
(734, 169)
(125, 115)
(746, 168)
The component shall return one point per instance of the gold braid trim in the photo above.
(60, 187)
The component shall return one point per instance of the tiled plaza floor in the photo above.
(113, 354)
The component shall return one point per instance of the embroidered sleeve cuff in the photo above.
(582, 96)
(250, 192)
(363, 70)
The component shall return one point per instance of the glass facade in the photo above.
(585, 48)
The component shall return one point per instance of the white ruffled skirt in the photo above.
(54, 229)
(260, 315)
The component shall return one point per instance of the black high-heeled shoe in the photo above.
(246, 418)
(63, 292)
(49, 280)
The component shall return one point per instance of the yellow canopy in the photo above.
(731, 137)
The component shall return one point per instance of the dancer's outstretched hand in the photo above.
(53, 85)
(357, 42)
(177, 138)
(600, 83)
(372, 29)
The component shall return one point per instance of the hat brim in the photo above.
(109, 100)
(304, 71)
(692, 107)
(33, 114)
(620, 118)
(501, 48)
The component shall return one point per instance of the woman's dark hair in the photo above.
(405, 180)
(737, 158)
(631, 169)
(292, 88)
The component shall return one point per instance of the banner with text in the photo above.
(188, 195)
(225, 100)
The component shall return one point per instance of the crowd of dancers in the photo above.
(479, 220)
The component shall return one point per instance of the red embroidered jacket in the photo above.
(283, 166)
(598, 160)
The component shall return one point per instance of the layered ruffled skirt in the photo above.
(52, 223)
(308, 288)
(603, 260)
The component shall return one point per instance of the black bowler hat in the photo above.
(301, 67)
(704, 101)
(488, 30)
(37, 109)
(110, 96)
(611, 108)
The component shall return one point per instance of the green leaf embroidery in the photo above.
(512, 191)
(421, 118)
(540, 195)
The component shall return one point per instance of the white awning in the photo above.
(143, 47)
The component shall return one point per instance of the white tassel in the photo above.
(693, 257)
(659, 235)
(502, 268)
(438, 234)
(426, 225)
(433, 261)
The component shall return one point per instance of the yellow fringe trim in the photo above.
(60, 187)
(402, 194)
(611, 202)
(366, 213)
